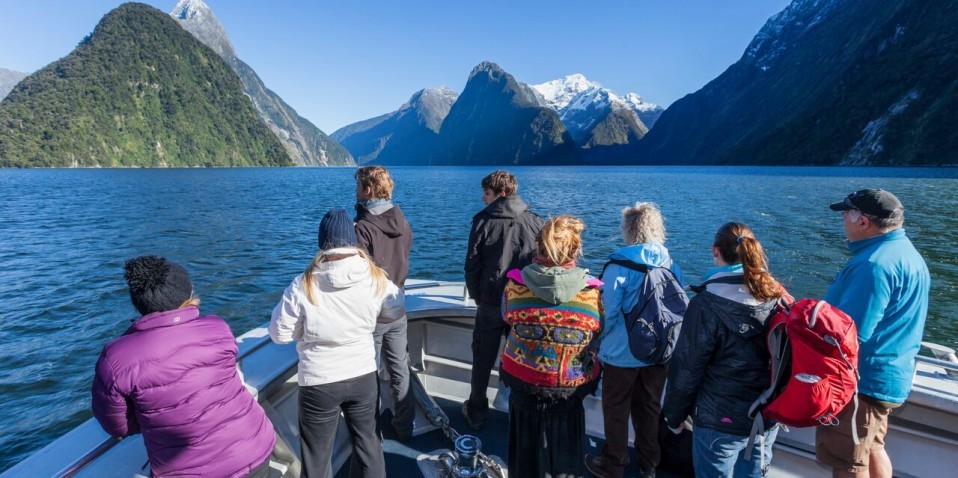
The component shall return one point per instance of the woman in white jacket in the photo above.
(331, 311)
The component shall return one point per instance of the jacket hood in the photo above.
(742, 319)
(649, 253)
(344, 272)
(506, 207)
(554, 284)
(391, 221)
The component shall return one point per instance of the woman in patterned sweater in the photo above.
(549, 361)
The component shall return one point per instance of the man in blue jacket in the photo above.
(884, 288)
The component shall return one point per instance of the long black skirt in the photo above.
(546, 436)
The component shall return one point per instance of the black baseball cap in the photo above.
(873, 202)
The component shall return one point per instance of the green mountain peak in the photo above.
(138, 92)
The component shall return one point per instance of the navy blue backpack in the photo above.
(656, 320)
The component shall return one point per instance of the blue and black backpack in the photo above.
(656, 320)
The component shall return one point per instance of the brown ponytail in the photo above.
(736, 243)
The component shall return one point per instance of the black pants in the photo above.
(636, 392)
(546, 436)
(319, 408)
(486, 337)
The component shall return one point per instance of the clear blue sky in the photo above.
(340, 62)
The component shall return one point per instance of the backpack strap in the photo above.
(733, 279)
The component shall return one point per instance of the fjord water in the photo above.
(245, 233)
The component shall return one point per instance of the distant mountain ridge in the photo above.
(9, 79)
(498, 120)
(408, 135)
(594, 117)
(305, 143)
(827, 82)
(138, 92)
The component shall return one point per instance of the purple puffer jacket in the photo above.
(172, 376)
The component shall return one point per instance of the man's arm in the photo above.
(363, 238)
(473, 267)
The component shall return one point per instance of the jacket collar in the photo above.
(856, 246)
(505, 207)
(165, 319)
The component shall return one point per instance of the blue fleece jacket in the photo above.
(884, 288)
(620, 293)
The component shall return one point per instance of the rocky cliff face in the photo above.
(9, 79)
(408, 135)
(500, 121)
(827, 82)
(304, 142)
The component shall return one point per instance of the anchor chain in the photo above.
(452, 435)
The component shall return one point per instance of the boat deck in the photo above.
(401, 457)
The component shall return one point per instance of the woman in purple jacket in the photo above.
(172, 377)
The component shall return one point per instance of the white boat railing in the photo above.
(104, 442)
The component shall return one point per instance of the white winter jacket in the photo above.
(334, 337)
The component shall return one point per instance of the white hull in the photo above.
(922, 439)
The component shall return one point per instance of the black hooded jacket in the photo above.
(720, 365)
(388, 239)
(503, 237)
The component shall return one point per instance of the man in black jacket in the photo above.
(503, 237)
(382, 229)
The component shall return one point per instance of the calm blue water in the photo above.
(245, 233)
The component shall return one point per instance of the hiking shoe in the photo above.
(594, 465)
(476, 420)
(647, 474)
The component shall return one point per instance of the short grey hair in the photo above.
(643, 223)
(887, 224)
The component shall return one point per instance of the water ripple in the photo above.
(245, 233)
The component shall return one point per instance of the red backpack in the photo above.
(814, 366)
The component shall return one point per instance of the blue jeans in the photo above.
(718, 454)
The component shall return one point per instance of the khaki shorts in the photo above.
(834, 445)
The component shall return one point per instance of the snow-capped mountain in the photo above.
(197, 18)
(305, 143)
(9, 79)
(595, 115)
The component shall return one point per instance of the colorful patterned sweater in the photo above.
(549, 351)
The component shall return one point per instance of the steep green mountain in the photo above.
(827, 82)
(408, 135)
(500, 121)
(306, 144)
(139, 91)
(9, 79)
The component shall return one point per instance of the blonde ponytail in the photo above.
(560, 240)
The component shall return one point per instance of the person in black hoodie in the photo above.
(503, 237)
(721, 360)
(382, 229)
